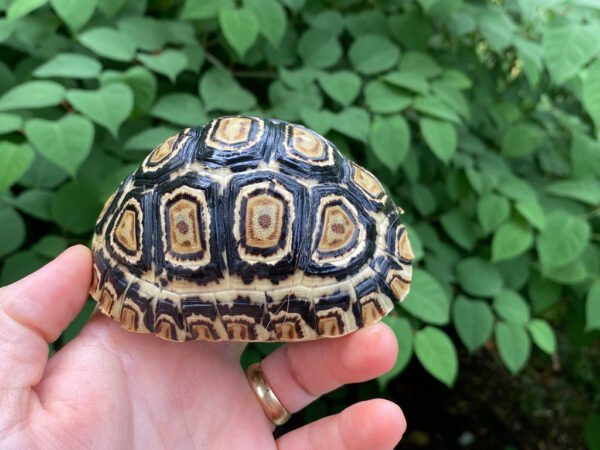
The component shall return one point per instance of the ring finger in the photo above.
(300, 373)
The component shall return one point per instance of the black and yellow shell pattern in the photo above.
(249, 229)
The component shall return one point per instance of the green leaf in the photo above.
(514, 345)
(240, 28)
(353, 122)
(473, 320)
(420, 64)
(74, 207)
(373, 54)
(14, 162)
(180, 108)
(32, 94)
(342, 86)
(404, 335)
(592, 307)
(427, 300)
(423, 199)
(532, 211)
(567, 46)
(168, 62)
(111, 7)
(20, 8)
(12, 230)
(35, 202)
(437, 353)
(492, 210)
(383, 98)
(42, 174)
(271, 17)
(592, 432)
(50, 246)
(287, 103)
(294, 5)
(585, 152)
(66, 142)
(571, 273)
(319, 49)
(456, 79)
(220, 90)
(584, 190)
(460, 228)
(149, 138)
(145, 33)
(108, 106)
(75, 13)
(543, 293)
(69, 65)
(510, 240)
(319, 121)
(591, 93)
(10, 123)
(408, 80)
(511, 307)
(542, 335)
(515, 188)
(433, 106)
(20, 265)
(497, 28)
(298, 78)
(143, 84)
(109, 43)
(6, 28)
(206, 9)
(478, 277)
(440, 137)
(522, 140)
(390, 139)
(562, 240)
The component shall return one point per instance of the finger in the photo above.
(374, 424)
(300, 373)
(35, 310)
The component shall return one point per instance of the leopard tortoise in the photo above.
(249, 229)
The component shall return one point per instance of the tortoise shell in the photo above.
(249, 229)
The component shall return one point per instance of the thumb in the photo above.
(35, 310)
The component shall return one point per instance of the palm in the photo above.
(109, 388)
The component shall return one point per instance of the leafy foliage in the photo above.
(481, 118)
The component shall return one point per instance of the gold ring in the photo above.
(271, 405)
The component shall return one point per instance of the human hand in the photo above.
(113, 389)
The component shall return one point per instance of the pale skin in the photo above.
(113, 389)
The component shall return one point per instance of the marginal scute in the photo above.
(403, 248)
(399, 286)
(371, 309)
(330, 323)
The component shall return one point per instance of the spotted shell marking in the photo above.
(249, 229)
